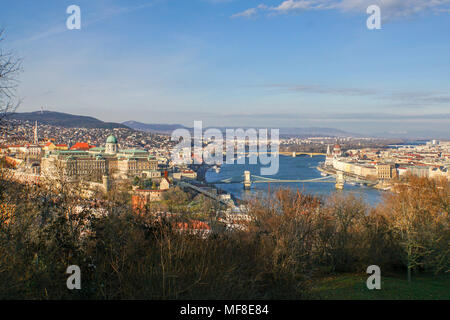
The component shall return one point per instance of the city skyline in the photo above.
(235, 63)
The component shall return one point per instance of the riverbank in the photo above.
(383, 186)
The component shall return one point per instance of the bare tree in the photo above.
(10, 68)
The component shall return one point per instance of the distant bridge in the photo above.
(259, 179)
(328, 179)
(283, 153)
(204, 192)
(294, 154)
(337, 178)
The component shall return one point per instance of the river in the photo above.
(298, 168)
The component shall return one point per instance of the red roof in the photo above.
(193, 225)
(149, 191)
(81, 146)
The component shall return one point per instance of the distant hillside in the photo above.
(317, 132)
(415, 134)
(156, 128)
(65, 120)
(307, 132)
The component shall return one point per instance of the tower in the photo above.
(112, 146)
(329, 157)
(36, 140)
(340, 180)
(247, 180)
(106, 183)
(337, 151)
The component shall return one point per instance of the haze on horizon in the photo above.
(271, 63)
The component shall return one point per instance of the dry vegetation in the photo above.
(292, 240)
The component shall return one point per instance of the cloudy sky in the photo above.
(293, 63)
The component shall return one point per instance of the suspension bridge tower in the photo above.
(340, 180)
(247, 180)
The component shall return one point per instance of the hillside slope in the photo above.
(64, 120)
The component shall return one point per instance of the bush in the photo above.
(290, 239)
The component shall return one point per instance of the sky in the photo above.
(250, 63)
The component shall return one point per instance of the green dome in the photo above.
(111, 139)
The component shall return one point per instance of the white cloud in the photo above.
(292, 5)
(245, 14)
(390, 8)
(250, 12)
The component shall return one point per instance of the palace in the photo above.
(97, 162)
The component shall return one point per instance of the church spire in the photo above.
(36, 141)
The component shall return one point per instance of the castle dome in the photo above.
(111, 139)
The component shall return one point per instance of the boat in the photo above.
(216, 168)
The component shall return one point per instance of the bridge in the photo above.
(283, 153)
(294, 154)
(259, 179)
(204, 192)
(338, 179)
(328, 179)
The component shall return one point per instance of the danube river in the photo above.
(299, 168)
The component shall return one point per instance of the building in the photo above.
(141, 198)
(386, 171)
(194, 227)
(97, 162)
(33, 151)
(50, 146)
(164, 184)
(337, 151)
(24, 151)
(418, 171)
(439, 172)
(329, 157)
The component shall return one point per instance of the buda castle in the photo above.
(96, 163)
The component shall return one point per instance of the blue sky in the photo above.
(294, 63)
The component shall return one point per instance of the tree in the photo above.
(175, 197)
(10, 68)
(417, 212)
(341, 231)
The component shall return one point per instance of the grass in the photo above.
(393, 287)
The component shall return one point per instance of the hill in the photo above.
(65, 120)
(168, 128)
(317, 132)
(156, 128)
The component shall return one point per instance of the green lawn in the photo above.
(353, 287)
